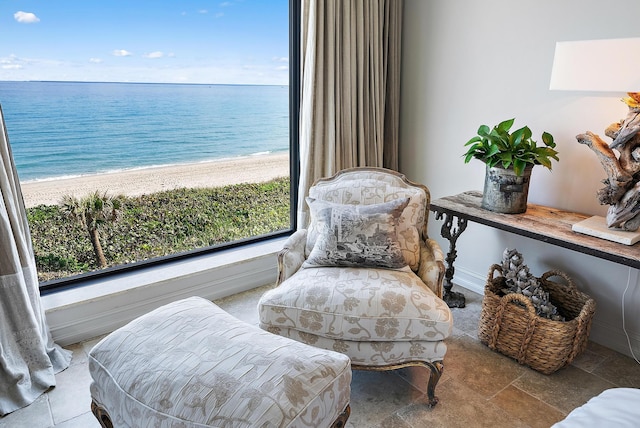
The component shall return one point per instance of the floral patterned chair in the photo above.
(364, 279)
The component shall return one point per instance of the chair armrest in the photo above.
(431, 269)
(292, 255)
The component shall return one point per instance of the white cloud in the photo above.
(203, 11)
(154, 55)
(95, 60)
(280, 59)
(11, 62)
(282, 67)
(219, 14)
(26, 17)
(121, 52)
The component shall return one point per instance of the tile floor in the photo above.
(479, 388)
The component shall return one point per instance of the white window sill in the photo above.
(101, 305)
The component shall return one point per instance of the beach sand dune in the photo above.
(251, 169)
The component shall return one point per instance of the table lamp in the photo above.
(613, 66)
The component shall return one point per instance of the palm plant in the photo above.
(92, 212)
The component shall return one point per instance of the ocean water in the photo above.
(66, 129)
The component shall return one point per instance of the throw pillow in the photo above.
(356, 235)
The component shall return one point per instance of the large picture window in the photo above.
(152, 131)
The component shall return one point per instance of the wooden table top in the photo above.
(542, 223)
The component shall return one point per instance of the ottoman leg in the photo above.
(341, 421)
(101, 414)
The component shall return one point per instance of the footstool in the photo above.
(191, 364)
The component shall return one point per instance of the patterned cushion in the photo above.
(190, 364)
(357, 235)
(357, 304)
(371, 353)
(367, 188)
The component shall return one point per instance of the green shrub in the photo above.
(160, 224)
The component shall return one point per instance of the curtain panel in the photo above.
(350, 88)
(28, 356)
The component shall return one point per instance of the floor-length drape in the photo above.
(350, 88)
(28, 357)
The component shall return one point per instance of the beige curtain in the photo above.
(28, 357)
(350, 88)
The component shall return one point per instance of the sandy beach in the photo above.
(251, 169)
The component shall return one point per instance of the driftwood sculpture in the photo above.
(621, 162)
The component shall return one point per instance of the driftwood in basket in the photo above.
(622, 188)
(519, 280)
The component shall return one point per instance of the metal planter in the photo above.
(504, 191)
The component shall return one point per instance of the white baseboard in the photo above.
(470, 280)
(103, 305)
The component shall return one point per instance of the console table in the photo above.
(541, 223)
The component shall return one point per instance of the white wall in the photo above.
(99, 306)
(467, 63)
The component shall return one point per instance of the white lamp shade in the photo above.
(610, 65)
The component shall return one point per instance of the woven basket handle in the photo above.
(531, 322)
(492, 271)
(583, 318)
(570, 284)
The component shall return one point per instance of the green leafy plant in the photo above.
(158, 224)
(504, 149)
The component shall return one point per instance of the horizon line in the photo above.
(144, 83)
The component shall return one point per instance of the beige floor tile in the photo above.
(461, 407)
(376, 395)
(565, 389)
(527, 408)
(418, 377)
(481, 369)
(393, 421)
(71, 397)
(79, 356)
(36, 415)
(244, 306)
(86, 420)
(589, 359)
(619, 370)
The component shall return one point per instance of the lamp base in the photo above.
(597, 226)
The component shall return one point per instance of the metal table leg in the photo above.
(451, 232)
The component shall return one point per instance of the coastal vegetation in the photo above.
(155, 225)
(93, 212)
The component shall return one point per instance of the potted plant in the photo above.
(509, 158)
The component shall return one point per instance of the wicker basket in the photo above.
(509, 323)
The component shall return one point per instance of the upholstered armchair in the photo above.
(364, 279)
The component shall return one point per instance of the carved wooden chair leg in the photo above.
(436, 369)
(341, 422)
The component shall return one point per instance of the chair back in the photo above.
(366, 186)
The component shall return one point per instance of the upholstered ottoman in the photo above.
(190, 364)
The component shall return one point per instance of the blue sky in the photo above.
(168, 41)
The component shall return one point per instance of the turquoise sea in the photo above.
(66, 129)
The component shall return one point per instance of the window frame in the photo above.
(56, 285)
